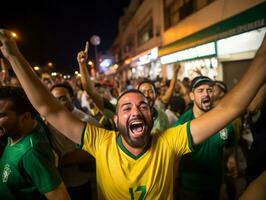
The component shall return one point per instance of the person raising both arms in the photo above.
(132, 163)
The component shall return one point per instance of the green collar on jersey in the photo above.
(124, 149)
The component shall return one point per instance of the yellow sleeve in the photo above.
(179, 139)
(92, 137)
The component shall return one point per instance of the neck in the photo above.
(135, 151)
(197, 112)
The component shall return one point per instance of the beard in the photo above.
(12, 130)
(150, 102)
(2, 132)
(203, 107)
(133, 142)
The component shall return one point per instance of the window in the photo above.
(145, 33)
(176, 10)
(128, 47)
(171, 12)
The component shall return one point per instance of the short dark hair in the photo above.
(177, 104)
(21, 103)
(148, 82)
(200, 80)
(221, 85)
(65, 85)
(126, 92)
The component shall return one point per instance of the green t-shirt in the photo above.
(202, 169)
(160, 121)
(27, 168)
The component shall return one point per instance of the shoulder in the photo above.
(185, 117)
(176, 131)
(97, 134)
(178, 138)
(38, 143)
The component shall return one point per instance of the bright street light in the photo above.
(36, 68)
(14, 35)
(50, 64)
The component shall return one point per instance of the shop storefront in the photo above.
(221, 51)
(200, 59)
(145, 64)
(236, 53)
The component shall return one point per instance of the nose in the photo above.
(206, 93)
(146, 93)
(135, 111)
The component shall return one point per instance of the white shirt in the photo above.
(172, 118)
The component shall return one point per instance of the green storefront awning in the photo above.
(248, 20)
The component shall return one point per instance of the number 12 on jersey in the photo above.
(141, 190)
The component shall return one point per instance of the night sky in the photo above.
(54, 31)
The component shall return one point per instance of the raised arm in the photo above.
(87, 83)
(5, 79)
(184, 92)
(59, 193)
(165, 99)
(234, 102)
(257, 102)
(256, 189)
(38, 94)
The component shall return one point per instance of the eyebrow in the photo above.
(148, 89)
(129, 103)
(63, 95)
(125, 104)
(143, 102)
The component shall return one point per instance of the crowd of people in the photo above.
(88, 138)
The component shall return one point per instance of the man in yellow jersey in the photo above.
(130, 163)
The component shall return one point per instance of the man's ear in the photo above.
(115, 119)
(24, 117)
(191, 95)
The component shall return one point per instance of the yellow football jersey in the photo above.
(121, 175)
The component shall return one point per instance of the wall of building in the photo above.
(213, 13)
(148, 9)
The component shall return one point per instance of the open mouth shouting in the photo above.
(206, 102)
(137, 127)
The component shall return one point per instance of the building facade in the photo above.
(217, 38)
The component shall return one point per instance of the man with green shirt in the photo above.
(200, 172)
(27, 165)
(160, 119)
(132, 163)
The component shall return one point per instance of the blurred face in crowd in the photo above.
(217, 92)
(47, 82)
(14, 81)
(10, 122)
(133, 119)
(163, 89)
(177, 88)
(63, 96)
(186, 82)
(202, 96)
(149, 92)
